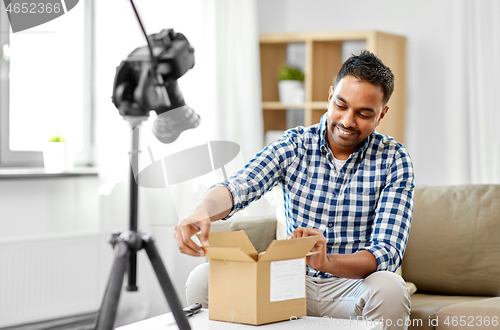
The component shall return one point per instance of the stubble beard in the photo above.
(339, 141)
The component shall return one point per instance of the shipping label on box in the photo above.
(288, 279)
(247, 287)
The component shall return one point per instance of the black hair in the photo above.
(369, 67)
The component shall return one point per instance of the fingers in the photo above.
(300, 232)
(305, 232)
(205, 229)
(183, 233)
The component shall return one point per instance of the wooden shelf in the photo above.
(281, 106)
(323, 59)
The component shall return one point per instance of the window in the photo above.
(45, 85)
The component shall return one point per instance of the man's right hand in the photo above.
(188, 227)
(215, 205)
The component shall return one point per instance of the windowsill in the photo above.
(28, 173)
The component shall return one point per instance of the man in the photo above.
(341, 181)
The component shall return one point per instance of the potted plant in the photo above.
(58, 156)
(291, 85)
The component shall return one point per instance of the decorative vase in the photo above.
(58, 157)
(291, 91)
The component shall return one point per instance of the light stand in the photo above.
(127, 244)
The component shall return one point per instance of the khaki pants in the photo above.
(380, 296)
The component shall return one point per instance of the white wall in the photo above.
(40, 206)
(429, 29)
(35, 213)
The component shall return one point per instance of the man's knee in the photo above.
(390, 298)
(388, 285)
(197, 286)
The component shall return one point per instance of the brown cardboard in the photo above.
(240, 279)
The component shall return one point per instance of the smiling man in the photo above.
(341, 181)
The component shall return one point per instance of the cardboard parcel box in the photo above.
(251, 288)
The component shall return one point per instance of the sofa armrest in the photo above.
(260, 231)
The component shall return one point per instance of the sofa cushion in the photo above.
(454, 245)
(425, 307)
(479, 314)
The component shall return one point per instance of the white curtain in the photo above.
(223, 88)
(474, 95)
(238, 76)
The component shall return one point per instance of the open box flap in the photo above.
(227, 253)
(288, 248)
(232, 239)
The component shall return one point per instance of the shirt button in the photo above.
(330, 225)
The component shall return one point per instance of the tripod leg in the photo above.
(107, 312)
(166, 284)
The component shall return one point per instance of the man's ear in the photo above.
(330, 93)
(382, 114)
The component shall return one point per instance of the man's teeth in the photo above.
(344, 132)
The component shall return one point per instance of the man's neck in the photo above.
(339, 152)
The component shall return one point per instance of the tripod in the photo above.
(127, 244)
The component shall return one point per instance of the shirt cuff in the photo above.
(384, 259)
(234, 193)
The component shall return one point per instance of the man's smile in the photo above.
(344, 131)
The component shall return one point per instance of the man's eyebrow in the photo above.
(340, 98)
(367, 109)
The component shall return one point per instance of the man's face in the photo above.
(355, 108)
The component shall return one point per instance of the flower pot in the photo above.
(291, 91)
(58, 157)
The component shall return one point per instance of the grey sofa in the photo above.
(452, 256)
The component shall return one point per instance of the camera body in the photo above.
(144, 83)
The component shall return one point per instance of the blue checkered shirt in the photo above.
(368, 205)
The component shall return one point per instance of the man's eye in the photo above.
(339, 106)
(364, 116)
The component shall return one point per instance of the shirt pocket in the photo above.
(364, 182)
(360, 188)
(362, 196)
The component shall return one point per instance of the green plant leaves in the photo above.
(291, 73)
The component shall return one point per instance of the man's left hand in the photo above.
(317, 261)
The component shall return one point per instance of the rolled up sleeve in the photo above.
(260, 174)
(393, 215)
